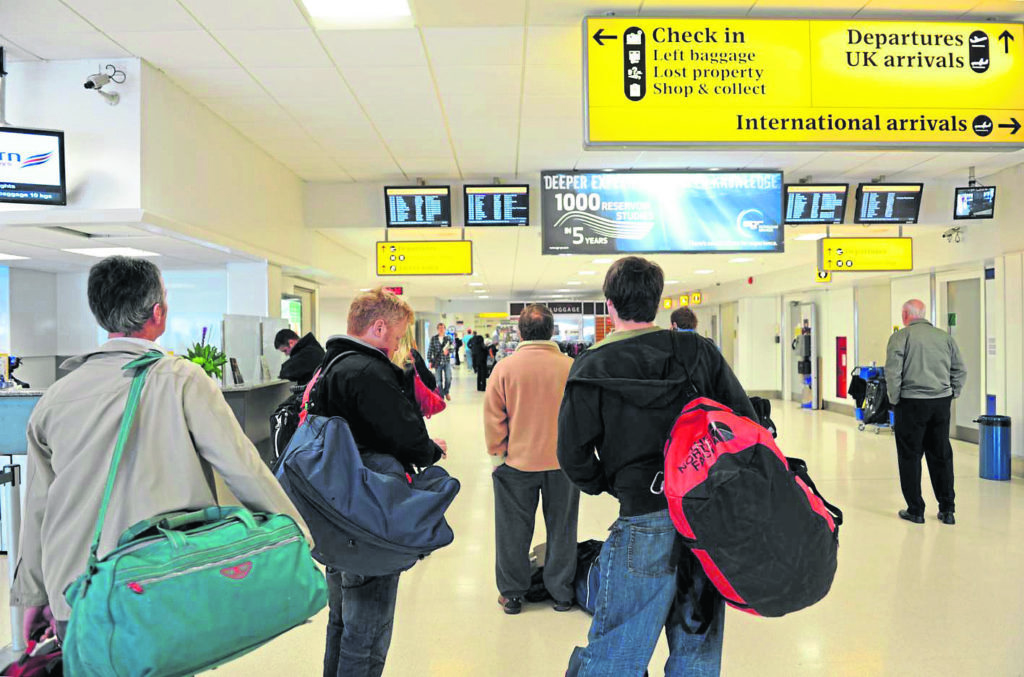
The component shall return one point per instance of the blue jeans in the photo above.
(362, 615)
(469, 358)
(443, 374)
(638, 586)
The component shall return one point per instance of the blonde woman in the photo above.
(408, 358)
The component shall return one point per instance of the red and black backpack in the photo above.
(753, 518)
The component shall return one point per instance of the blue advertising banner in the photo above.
(661, 212)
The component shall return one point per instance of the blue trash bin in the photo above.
(994, 449)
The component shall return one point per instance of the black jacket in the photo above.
(476, 346)
(622, 398)
(369, 392)
(304, 361)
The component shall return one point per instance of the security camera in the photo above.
(97, 81)
(952, 235)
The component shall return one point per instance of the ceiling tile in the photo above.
(573, 11)
(958, 163)
(217, 83)
(294, 48)
(39, 17)
(169, 50)
(480, 79)
(393, 86)
(486, 131)
(248, 15)
(949, 8)
(550, 45)
(71, 46)
(248, 109)
(15, 52)
(834, 165)
(552, 81)
(589, 159)
(498, 46)
(718, 8)
(434, 143)
(427, 167)
(800, 8)
(375, 48)
(472, 108)
(1001, 9)
(537, 109)
(303, 83)
(434, 13)
(137, 15)
(344, 109)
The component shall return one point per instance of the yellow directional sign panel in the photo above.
(451, 257)
(692, 81)
(823, 276)
(862, 254)
(696, 299)
(684, 300)
(667, 304)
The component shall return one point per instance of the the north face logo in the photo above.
(720, 432)
(238, 572)
(703, 450)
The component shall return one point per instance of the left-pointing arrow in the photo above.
(600, 36)
(1014, 125)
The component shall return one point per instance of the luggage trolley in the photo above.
(875, 378)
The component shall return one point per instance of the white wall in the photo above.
(248, 288)
(102, 142)
(758, 359)
(874, 326)
(77, 331)
(333, 317)
(903, 289)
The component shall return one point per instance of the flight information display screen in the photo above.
(32, 166)
(975, 202)
(497, 205)
(889, 203)
(807, 203)
(661, 211)
(418, 206)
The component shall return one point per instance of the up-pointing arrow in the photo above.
(1006, 36)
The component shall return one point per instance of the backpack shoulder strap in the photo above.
(307, 396)
(677, 338)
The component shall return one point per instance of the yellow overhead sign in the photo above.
(860, 254)
(452, 257)
(684, 300)
(695, 298)
(668, 304)
(691, 81)
(823, 276)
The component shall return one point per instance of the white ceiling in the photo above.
(476, 89)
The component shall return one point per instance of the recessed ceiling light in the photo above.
(483, 297)
(104, 252)
(671, 281)
(741, 259)
(476, 284)
(810, 236)
(337, 14)
(703, 272)
(479, 291)
(587, 272)
(573, 282)
(603, 261)
(12, 257)
(367, 289)
(563, 290)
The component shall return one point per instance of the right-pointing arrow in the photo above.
(1015, 126)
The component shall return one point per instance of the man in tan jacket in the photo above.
(521, 428)
(184, 430)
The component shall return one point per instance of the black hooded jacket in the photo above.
(368, 391)
(304, 360)
(622, 398)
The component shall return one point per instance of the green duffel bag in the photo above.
(186, 592)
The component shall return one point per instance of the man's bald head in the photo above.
(913, 309)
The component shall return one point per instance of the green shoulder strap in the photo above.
(141, 367)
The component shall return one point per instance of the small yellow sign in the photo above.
(691, 81)
(824, 276)
(667, 304)
(862, 254)
(684, 300)
(453, 257)
(695, 298)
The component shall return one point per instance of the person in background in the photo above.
(408, 357)
(368, 391)
(521, 429)
(621, 400)
(924, 373)
(183, 431)
(469, 353)
(304, 356)
(458, 350)
(479, 351)
(684, 319)
(440, 361)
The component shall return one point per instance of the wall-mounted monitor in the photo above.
(975, 202)
(816, 203)
(663, 211)
(888, 202)
(418, 206)
(497, 205)
(32, 166)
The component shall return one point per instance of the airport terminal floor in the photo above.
(930, 600)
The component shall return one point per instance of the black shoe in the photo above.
(910, 517)
(947, 517)
(563, 606)
(511, 605)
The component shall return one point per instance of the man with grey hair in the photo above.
(924, 373)
(184, 430)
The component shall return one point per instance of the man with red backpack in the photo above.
(622, 398)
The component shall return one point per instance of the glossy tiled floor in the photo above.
(908, 600)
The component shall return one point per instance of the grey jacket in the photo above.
(184, 430)
(923, 363)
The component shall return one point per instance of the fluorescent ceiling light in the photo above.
(479, 291)
(12, 257)
(104, 252)
(338, 14)
(476, 284)
(366, 289)
(703, 272)
(671, 281)
(741, 259)
(810, 236)
(603, 261)
(573, 282)
(483, 297)
(587, 272)
(563, 290)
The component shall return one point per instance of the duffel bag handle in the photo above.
(168, 523)
(799, 468)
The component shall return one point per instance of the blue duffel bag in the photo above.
(366, 515)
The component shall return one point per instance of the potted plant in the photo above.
(209, 357)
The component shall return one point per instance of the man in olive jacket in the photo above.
(923, 374)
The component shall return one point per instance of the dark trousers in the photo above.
(362, 615)
(922, 428)
(482, 372)
(516, 494)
